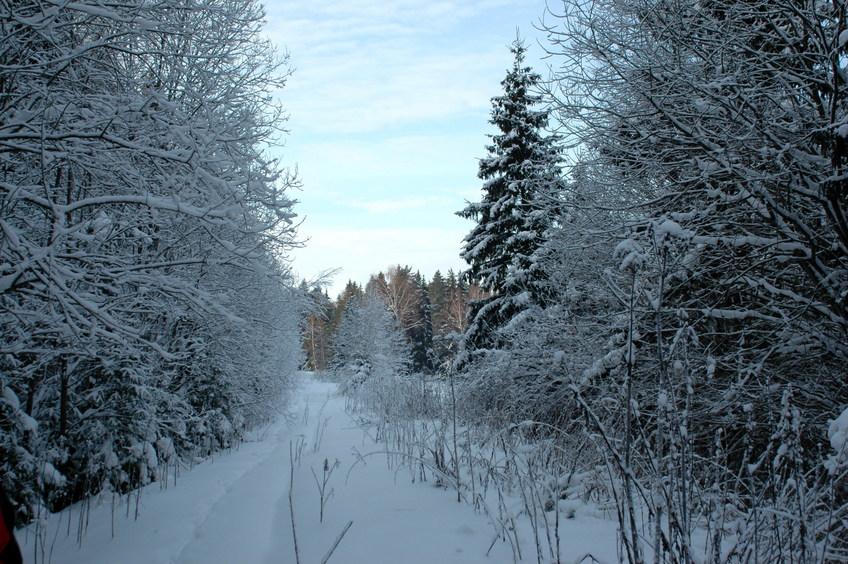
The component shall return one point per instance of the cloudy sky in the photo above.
(389, 105)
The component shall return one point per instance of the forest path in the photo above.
(235, 508)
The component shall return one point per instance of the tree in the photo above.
(369, 343)
(316, 330)
(719, 129)
(141, 226)
(522, 166)
(420, 335)
(437, 293)
(739, 171)
(351, 292)
(404, 293)
(459, 293)
(399, 290)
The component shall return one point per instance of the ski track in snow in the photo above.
(235, 508)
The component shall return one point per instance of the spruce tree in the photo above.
(520, 172)
(437, 294)
(420, 335)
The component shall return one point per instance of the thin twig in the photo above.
(336, 544)
(291, 504)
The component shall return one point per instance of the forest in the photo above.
(654, 314)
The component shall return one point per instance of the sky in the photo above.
(388, 114)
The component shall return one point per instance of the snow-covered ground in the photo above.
(235, 508)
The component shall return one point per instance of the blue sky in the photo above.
(389, 105)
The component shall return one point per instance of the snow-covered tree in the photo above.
(369, 343)
(721, 125)
(716, 130)
(574, 341)
(521, 168)
(351, 291)
(141, 226)
(404, 293)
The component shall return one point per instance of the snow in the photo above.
(28, 423)
(837, 433)
(11, 398)
(671, 228)
(50, 476)
(631, 254)
(235, 508)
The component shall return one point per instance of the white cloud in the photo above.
(364, 65)
(363, 17)
(364, 95)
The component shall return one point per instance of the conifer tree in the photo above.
(420, 335)
(520, 170)
(437, 294)
(352, 291)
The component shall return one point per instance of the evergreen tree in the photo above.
(520, 170)
(352, 291)
(420, 335)
(437, 294)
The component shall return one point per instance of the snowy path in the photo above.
(236, 508)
